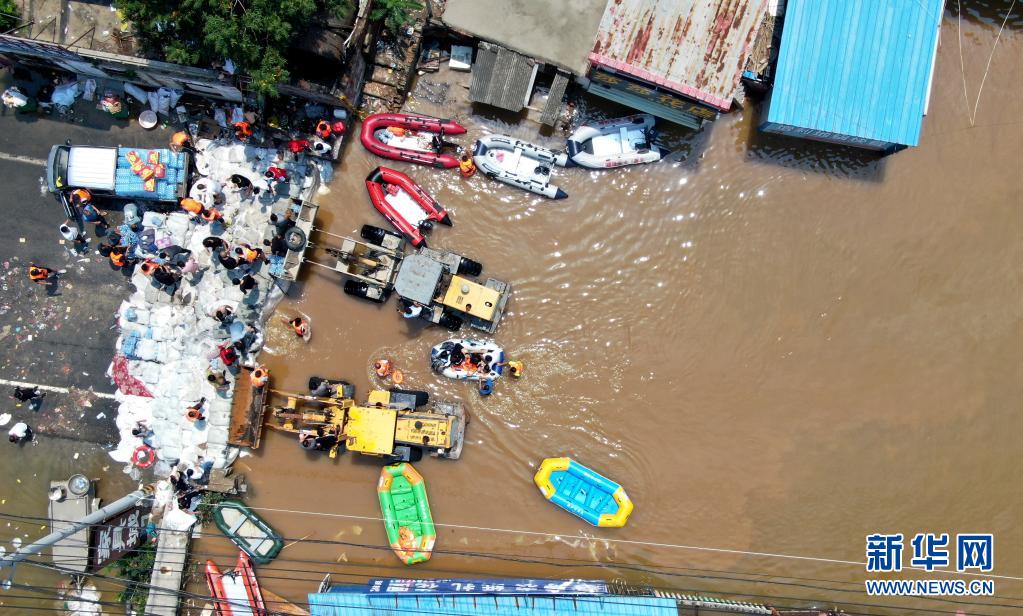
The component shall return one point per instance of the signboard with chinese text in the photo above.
(116, 537)
(486, 587)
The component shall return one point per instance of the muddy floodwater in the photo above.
(777, 347)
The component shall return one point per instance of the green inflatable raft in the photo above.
(406, 511)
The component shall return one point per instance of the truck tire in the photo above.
(356, 288)
(450, 322)
(294, 238)
(421, 397)
(469, 267)
(375, 235)
(415, 454)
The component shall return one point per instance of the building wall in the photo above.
(822, 135)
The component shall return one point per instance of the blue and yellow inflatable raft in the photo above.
(583, 492)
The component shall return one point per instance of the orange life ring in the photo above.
(382, 368)
(144, 456)
(398, 377)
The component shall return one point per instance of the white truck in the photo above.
(124, 173)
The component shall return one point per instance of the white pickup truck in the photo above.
(126, 173)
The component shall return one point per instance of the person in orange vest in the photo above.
(192, 206)
(81, 196)
(242, 130)
(212, 215)
(250, 254)
(179, 141)
(40, 275)
(323, 130)
(118, 256)
(301, 327)
(259, 377)
(466, 166)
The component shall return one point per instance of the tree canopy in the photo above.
(254, 34)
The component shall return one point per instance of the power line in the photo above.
(263, 568)
(543, 561)
(563, 536)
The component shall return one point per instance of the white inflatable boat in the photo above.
(519, 163)
(615, 143)
(464, 358)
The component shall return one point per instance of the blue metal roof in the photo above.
(856, 67)
(364, 604)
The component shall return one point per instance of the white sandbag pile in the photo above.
(170, 344)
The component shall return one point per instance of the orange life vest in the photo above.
(147, 268)
(80, 196)
(467, 167)
(212, 214)
(250, 254)
(117, 258)
(300, 327)
(323, 129)
(38, 273)
(259, 377)
(242, 130)
(192, 206)
(396, 130)
(179, 139)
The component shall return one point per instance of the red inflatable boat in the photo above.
(236, 593)
(411, 138)
(409, 208)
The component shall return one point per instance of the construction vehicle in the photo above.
(394, 424)
(436, 283)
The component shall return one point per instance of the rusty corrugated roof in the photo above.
(694, 47)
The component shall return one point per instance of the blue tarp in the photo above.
(855, 71)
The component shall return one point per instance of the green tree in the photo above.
(254, 34)
(394, 13)
(10, 15)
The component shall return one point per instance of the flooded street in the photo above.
(776, 346)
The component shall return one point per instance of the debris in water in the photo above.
(5, 419)
(76, 455)
(16, 542)
(101, 416)
(357, 530)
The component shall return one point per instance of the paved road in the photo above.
(65, 340)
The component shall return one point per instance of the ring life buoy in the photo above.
(398, 377)
(143, 457)
(382, 368)
(294, 238)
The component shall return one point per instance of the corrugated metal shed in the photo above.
(361, 604)
(694, 47)
(501, 77)
(855, 71)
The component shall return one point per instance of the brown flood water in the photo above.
(775, 346)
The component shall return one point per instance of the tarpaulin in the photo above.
(125, 381)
